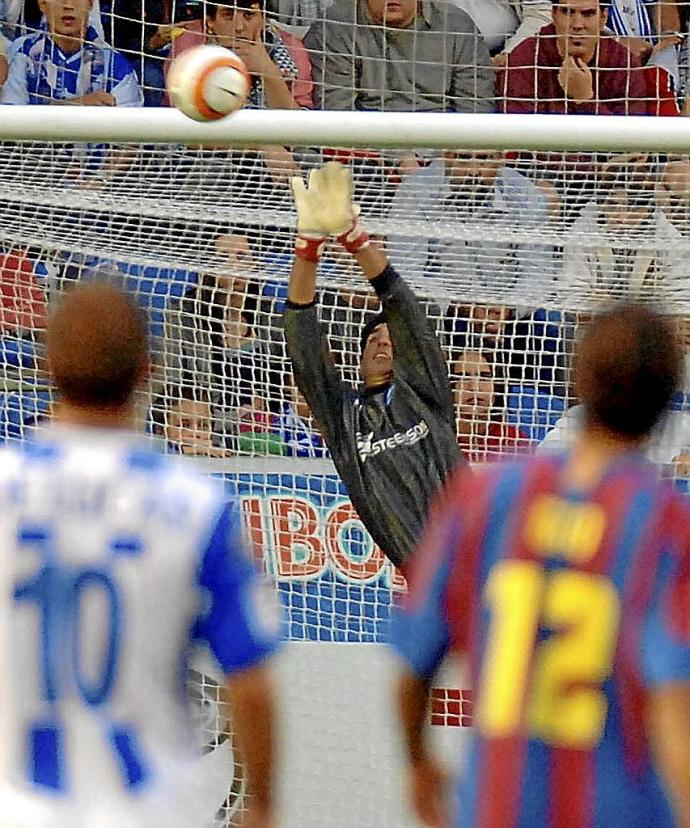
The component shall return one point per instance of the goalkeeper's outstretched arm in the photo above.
(307, 345)
(325, 209)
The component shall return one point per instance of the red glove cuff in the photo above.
(309, 249)
(354, 239)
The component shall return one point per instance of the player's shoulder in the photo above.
(171, 475)
(474, 482)
(12, 458)
(450, 18)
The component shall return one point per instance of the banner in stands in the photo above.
(336, 584)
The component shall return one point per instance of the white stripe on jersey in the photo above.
(101, 544)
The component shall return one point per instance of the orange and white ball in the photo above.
(208, 82)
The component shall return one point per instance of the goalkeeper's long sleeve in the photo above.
(394, 445)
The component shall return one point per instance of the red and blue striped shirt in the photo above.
(571, 606)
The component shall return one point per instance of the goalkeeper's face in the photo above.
(376, 367)
(68, 18)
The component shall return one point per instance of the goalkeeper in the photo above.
(393, 442)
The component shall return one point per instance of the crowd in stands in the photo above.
(623, 57)
(222, 385)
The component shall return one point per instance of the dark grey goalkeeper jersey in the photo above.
(393, 447)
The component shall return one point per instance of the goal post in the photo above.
(370, 130)
(511, 230)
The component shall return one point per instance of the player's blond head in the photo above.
(97, 346)
(628, 365)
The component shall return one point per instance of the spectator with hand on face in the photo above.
(69, 64)
(231, 23)
(277, 62)
(243, 28)
(572, 66)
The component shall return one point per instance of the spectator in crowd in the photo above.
(375, 55)
(668, 446)
(185, 419)
(25, 16)
(673, 195)
(602, 258)
(672, 229)
(483, 434)
(669, 443)
(649, 28)
(506, 23)
(6, 36)
(68, 63)
(141, 30)
(533, 346)
(571, 66)
(4, 65)
(278, 62)
(295, 423)
(214, 343)
(10, 13)
(483, 261)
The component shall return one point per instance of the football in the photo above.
(208, 82)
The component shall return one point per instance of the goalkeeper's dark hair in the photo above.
(370, 325)
(97, 346)
(628, 365)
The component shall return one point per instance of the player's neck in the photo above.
(593, 453)
(115, 417)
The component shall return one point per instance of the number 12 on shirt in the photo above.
(550, 647)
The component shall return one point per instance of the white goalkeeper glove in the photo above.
(325, 208)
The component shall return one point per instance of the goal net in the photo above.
(510, 252)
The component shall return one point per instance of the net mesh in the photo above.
(510, 252)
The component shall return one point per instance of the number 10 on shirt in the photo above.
(59, 594)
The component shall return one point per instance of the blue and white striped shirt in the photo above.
(115, 559)
(40, 72)
(630, 18)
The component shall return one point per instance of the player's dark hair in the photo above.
(628, 365)
(97, 346)
(370, 325)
